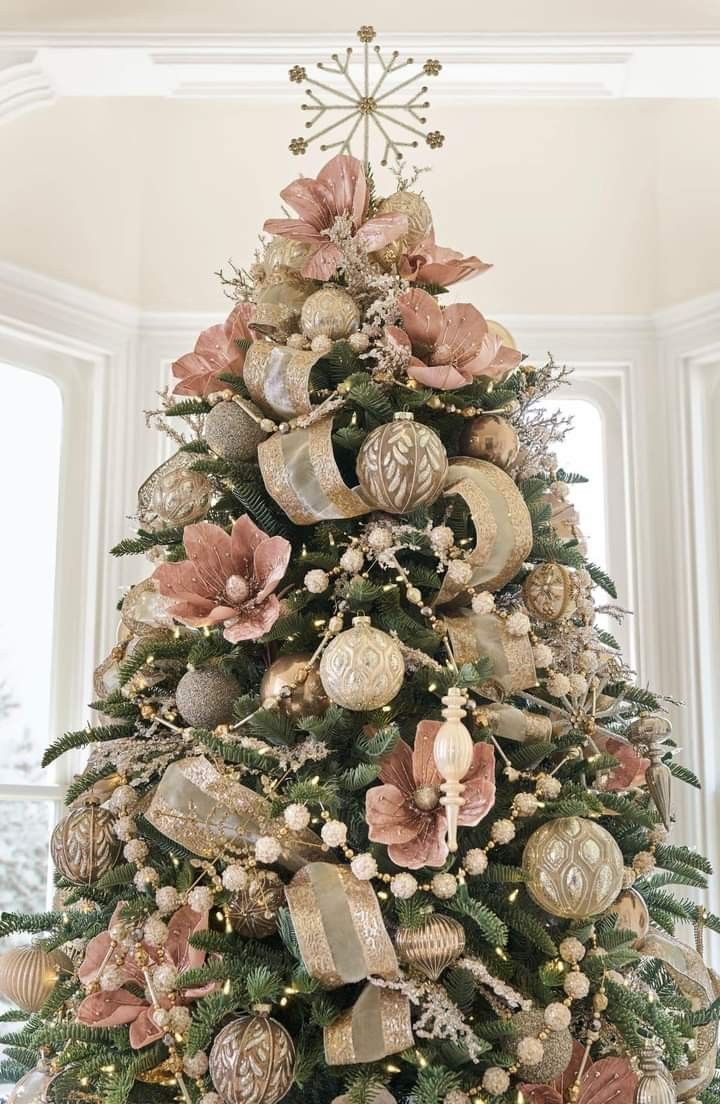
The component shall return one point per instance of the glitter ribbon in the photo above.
(476, 635)
(278, 378)
(377, 1025)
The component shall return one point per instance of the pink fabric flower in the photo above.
(429, 263)
(630, 771)
(215, 352)
(228, 578)
(449, 346)
(111, 1008)
(340, 189)
(608, 1081)
(415, 835)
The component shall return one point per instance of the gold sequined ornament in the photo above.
(362, 668)
(557, 1046)
(253, 910)
(205, 697)
(330, 312)
(402, 465)
(252, 1061)
(232, 430)
(32, 1088)
(84, 846)
(632, 914)
(174, 494)
(548, 592)
(307, 697)
(573, 868)
(28, 975)
(432, 947)
(490, 437)
(419, 217)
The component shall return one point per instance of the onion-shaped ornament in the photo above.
(84, 846)
(573, 868)
(291, 672)
(253, 910)
(402, 465)
(205, 697)
(433, 947)
(28, 975)
(285, 253)
(330, 312)
(490, 437)
(232, 430)
(251, 1061)
(548, 592)
(362, 668)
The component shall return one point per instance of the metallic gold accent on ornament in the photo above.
(655, 1085)
(278, 378)
(252, 1061)
(144, 610)
(205, 697)
(453, 753)
(232, 429)
(473, 635)
(492, 438)
(557, 1046)
(510, 723)
(159, 1075)
(280, 300)
(548, 592)
(419, 217)
(292, 671)
(106, 676)
(84, 846)
(362, 668)
(174, 494)
(573, 868)
(28, 975)
(433, 947)
(502, 332)
(330, 312)
(282, 253)
(653, 732)
(253, 910)
(632, 914)
(402, 465)
(376, 1026)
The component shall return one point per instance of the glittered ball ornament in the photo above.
(419, 217)
(84, 846)
(252, 1061)
(232, 430)
(253, 910)
(557, 1046)
(291, 672)
(28, 975)
(362, 668)
(330, 312)
(402, 465)
(548, 592)
(490, 437)
(433, 946)
(205, 697)
(573, 868)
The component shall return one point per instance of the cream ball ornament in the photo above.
(330, 312)
(362, 668)
(402, 465)
(573, 868)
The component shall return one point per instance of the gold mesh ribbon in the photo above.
(377, 1025)
(475, 635)
(208, 812)
(278, 378)
(301, 475)
(515, 724)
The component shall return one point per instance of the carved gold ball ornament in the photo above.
(548, 592)
(205, 697)
(285, 253)
(557, 1046)
(362, 668)
(330, 312)
(28, 975)
(402, 465)
(573, 868)
(419, 217)
(490, 437)
(433, 947)
(84, 846)
(174, 494)
(252, 1060)
(306, 697)
(632, 914)
(232, 430)
(253, 910)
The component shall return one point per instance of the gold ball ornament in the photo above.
(181, 496)
(330, 312)
(285, 253)
(632, 914)
(32, 1087)
(306, 698)
(28, 975)
(84, 846)
(362, 668)
(557, 1046)
(490, 437)
(502, 332)
(232, 430)
(252, 1060)
(144, 609)
(548, 592)
(205, 697)
(419, 217)
(402, 465)
(433, 947)
(573, 868)
(253, 910)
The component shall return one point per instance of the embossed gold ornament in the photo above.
(432, 947)
(232, 430)
(205, 697)
(402, 465)
(174, 494)
(306, 698)
(253, 910)
(283, 253)
(28, 975)
(362, 668)
(632, 914)
(548, 592)
(490, 437)
(280, 300)
(252, 1060)
(473, 635)
(84, 846)
(557, 1046)
(419, 217)
(330, 312)
(573, 868)
(144, 610)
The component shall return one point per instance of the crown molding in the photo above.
(24, 84)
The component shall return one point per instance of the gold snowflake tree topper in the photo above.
(392, 110)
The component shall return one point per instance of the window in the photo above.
(583, 452)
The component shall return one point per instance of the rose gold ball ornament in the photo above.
(548, 592)
(433, 947)
(205, 697)
(33, 1087)
(291, 672)
(84, 846)
(419, 217)
(28, 975)
(490, 437)
(402, 465)
(573, 868)
(362, 668)
(632, 914)
(330, 312)
(253, 910)
(232, 430)
(252, 1060)
(557, 1046)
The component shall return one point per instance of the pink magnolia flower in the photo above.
(113, 1007)
(607, 1081)
(340, 189)
(228, 578)
(405, 812)
(215, 352)
(449, 346)
(429, 263)
(629, 774)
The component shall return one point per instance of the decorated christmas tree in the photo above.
(374, 809)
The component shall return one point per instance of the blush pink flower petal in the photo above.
(429, 263)
(607, 1081)
(630, 772)
(216, 351)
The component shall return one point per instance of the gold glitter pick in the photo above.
(369, 106)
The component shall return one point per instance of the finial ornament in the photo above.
(453, 754)
(370, 99)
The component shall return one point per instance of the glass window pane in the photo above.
(27, 568)
(24, 834)
(583, 452)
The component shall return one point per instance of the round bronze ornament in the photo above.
(306, 698)
(252, 1060)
